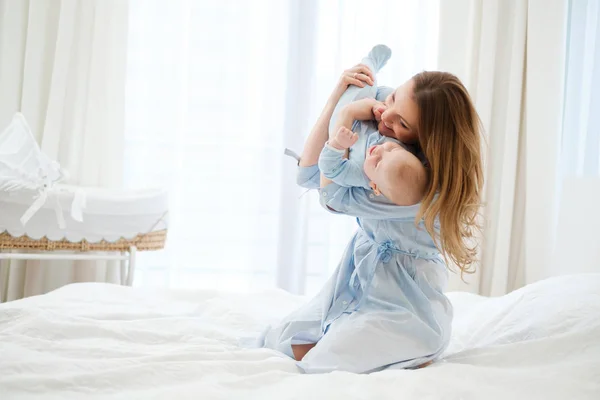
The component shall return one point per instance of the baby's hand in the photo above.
(344, 139)
(378, 110)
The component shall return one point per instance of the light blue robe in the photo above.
(384, 306)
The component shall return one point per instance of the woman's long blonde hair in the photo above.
(449, 131)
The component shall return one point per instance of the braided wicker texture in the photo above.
(148, 241)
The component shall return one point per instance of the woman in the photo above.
(384, 306)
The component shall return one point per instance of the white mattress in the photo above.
(113, 342)
(89, 213)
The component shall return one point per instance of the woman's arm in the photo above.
(358, 75)
(362, 203)
(318, 135)
(358, 110)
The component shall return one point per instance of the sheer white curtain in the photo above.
(533, 68)
(215, 91)
(580, 155)
(577, 246)
(512, 57)
(62, 65)
(483, 42)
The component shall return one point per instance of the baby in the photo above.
(383, 168)
(375, 162)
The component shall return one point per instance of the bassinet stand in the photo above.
(46, 249)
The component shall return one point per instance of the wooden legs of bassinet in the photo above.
(131, 271)
(128, 266)
(128, 261)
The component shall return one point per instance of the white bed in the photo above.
(105, 341)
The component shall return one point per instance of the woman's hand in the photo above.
(359, 75)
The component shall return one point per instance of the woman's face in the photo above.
(399, 120)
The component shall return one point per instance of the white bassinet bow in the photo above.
(24, 166)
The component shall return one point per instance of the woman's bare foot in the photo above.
(300, 350)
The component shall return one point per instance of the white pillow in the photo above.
(547, 308)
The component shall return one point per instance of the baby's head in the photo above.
(390, 167)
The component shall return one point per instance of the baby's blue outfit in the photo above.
(349, 172)
(384, 306)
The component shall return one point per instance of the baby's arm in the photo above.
(358, 202)
(335, 166)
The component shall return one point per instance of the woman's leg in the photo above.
(300, 350)
(366, 341)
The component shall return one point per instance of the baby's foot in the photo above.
(377, 57)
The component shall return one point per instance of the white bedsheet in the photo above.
(104, 341)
